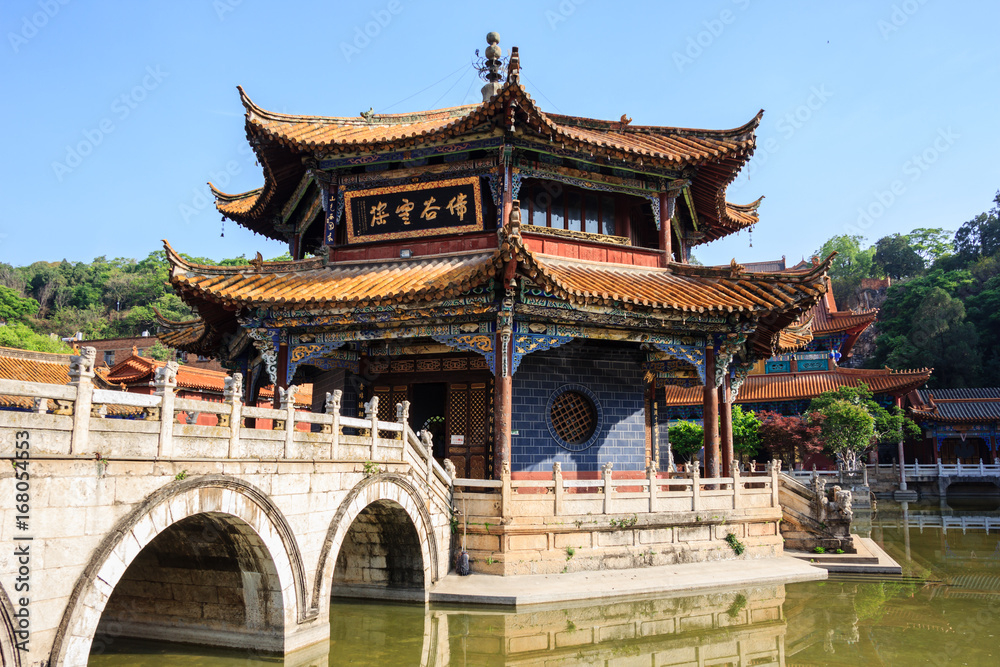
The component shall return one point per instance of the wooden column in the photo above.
(726, 427)
(710, 415)
(503, 380)
(282, 375)
(666, 213)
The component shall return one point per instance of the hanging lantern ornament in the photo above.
(223, 234)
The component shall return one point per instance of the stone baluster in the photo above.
(403, 419)
(81, 375)
(233, 395)
(164, 382)
(608, 488)
(428, 443)
(654, 490)
(737, 485)
(775, 469)
(332, 408)
(695, 486)
(505, 490)
(287, 402)
(371, 414)
(41, 405)
(557, 481)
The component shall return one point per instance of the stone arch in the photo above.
(9, 656)
(388, 488)
(224, 498)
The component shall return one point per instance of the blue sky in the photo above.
(880, 117)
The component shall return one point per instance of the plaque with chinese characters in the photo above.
(420, 209)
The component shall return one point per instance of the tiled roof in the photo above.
(768, 266)
(141, 371)
(976, 404)
(795, 337)
(281, 140)
(310, 283)
(827, 319)
(55, 371)
(678, 287)
(797, 386)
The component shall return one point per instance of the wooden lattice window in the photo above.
(573, 417)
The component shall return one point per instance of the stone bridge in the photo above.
(222, 534)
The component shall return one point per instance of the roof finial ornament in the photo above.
(490, 67)
(623, 122)
(257, 262)
(369, 115)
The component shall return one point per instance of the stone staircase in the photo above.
(814, 516)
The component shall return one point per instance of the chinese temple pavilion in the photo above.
(808, 363)
(959, 425)
(520, 277)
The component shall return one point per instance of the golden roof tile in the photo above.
(310, 283)
(798, 386)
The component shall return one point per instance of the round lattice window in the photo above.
(573, 417)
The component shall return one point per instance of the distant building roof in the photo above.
(969, 405)
(798, 386)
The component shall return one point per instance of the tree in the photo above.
(931, 243)
(848, 431)
(896, 258)
(159, 351)
(792, 438)
(844, 430)
(980, 237)
(15, 307)
(686, 439)
(746, 437)
(21, 337)
(851, 264)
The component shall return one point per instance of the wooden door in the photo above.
(468, 428)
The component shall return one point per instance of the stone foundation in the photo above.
(614, 542)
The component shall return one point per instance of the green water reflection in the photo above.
(944, 611)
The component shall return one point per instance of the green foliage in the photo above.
(20, 336)
(14, 307)
(570, 552)
(159, 351)
(735, 543)
(181, 476)
(896, 258)
(372, 468)
(746, 436)
(931, 243)
(686, 439)
(622, 524)
(819, 550)
(739, 602)
(850, 266)
(980, 237)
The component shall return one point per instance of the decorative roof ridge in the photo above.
(62, 358)
(725, 271)
(373, 119)
(227, 197)
(175, 324)
(860, 372)
(747, 208)
(618, 126)
(256, 265)
(418, 259)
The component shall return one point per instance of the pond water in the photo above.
(945, 610)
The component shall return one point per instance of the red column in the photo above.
(502, 405)
(282, 372)
(710, 415)
(726, 427)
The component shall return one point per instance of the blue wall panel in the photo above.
(612, 376)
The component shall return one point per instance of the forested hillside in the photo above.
(103, 299)
(943, 308)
